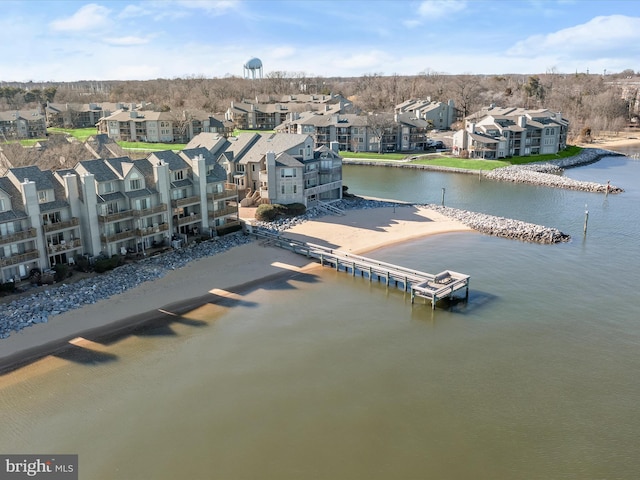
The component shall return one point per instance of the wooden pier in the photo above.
(420, 284)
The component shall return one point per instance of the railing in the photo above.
(150, 211)
(263, 177)
(116, 237)
(222, 212)
(181, 202)
(143, 232)
(114, 217)
(17, 236)
(21, 258)
(50, 227)
(226, 193)
(195, 217)
(63, 247)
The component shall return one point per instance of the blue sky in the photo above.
(120, 40)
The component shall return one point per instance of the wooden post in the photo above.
(586, 219)
(370, 274)
(443, 190)
(353, 272)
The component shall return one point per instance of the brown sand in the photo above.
(226, 275)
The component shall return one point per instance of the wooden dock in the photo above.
(420, 284)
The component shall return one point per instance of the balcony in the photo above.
(145, 212)
(226, 193)
(223, 211)
(114, 217)
(18, 236)
(21, 258)
(117, 237)
(52, 227)
(64, 247)
(181, 202)
(154, 230)
(263, 176)
(264, 192)
(193, 218)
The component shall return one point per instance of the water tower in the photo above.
(251, 67)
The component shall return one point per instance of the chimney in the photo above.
(522, 121)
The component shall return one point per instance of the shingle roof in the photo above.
(286, 160)
(174, 160)
(17, 207)
(43, 180)
(99, 169)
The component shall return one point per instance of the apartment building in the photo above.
(110, 206)
(383, 132)
(18, 124)
(439, 115)
(267, 112)
(495, 132)
(164, 127)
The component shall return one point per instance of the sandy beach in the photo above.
(219, 277)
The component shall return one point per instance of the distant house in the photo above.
(18, 124)
(79, 115)
(164, 127)
(439, 115)
(383, 132)
(267, 112)
(496, 132)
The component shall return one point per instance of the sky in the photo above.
(139, 40)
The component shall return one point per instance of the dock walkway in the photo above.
(420, 284)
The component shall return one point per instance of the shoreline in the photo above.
(209, 280)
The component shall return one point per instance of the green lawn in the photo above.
(80, 133)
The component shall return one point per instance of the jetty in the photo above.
(420, 284)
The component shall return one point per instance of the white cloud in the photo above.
(132, 11)
(615, 32)
(126, 41)
(372, 60)
(89, 17)
(432, 9)
(211, 7)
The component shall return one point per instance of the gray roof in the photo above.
(219, 174)
(286, 160)
(43, 180)
(17, 206)
(181, 183)
(174, 160)
(143, 192)
(110, 197)
(99, 169)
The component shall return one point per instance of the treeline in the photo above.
(599, 102)
(16, 97)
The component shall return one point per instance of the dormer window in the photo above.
(178, 175)
(135, 182)
(42, 196)
(3, 205)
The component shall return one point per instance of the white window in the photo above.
(3, 205)
(134, 184)
(178, 175)
(288, 173)
(42, 196)
(108, 187)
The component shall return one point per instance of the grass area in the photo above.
(151, 146)
(456, 162)
(464, 163)
(30, 142)
(478, 164)
(80, 133)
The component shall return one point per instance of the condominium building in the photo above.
(18, 124)
(110, 206)
(495, 132)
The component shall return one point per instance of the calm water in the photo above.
(331, 377)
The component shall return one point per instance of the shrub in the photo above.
(269, 212)
(104, 264)
(295, 209)
(225, 230)
(9, 287)
(82, 263)
(62, 272)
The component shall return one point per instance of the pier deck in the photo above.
(421, 284)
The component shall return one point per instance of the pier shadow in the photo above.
(85, 356)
